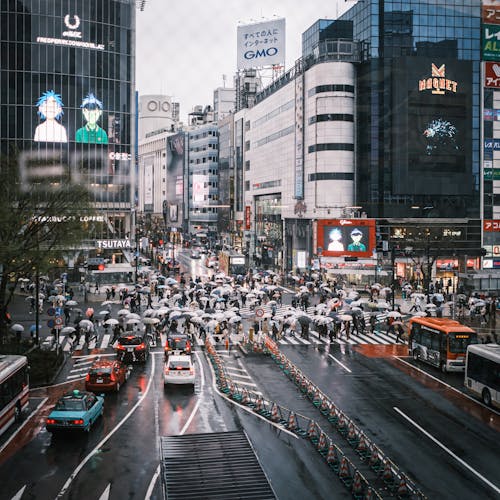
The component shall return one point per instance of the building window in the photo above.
(247, 145)
(331, 117)
(247, 165)
(331, 176)
(331, 146)
(247, 185)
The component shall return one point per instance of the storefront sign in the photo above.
(247, 217)
(114, 243)
(490, 13)
(491, 225)
(492, 75)
(490, 43)
(437, 83)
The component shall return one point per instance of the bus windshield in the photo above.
(458, 342)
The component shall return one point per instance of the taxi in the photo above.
(179, 369)
(75, 410)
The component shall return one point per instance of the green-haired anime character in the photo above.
(91, 133)
(50, 110)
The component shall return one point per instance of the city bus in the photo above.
(441, 342)
(231, 263)
(482, 372)
(14, 388)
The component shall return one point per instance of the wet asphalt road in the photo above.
(120, 456)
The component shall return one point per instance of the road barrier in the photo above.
(395, 480)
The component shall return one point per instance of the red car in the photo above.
(106, 375)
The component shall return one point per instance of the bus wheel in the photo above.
(416, 355)
(486, 397)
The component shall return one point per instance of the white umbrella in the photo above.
(87, 324)
(394, 314)
(430, 306)
(111, 321)
(68, 330)
(104, 313)
(133, 316)
(150, 321)
(149, 312)
(420, 313)
(123, 312)
(17, 328)
(235, 319)
(71, 303)
(133, 321)
(345, 317)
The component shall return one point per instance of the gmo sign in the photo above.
(255, 54)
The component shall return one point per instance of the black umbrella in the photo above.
(304, 320)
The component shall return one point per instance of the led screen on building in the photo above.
(345, 237)
(431, 137)
(175, 178)
(66, 90)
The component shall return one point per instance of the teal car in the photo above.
(75, 410)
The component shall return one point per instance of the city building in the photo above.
(157, 112)
(224, 102)
(67, 95)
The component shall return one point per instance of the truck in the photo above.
(231, 263)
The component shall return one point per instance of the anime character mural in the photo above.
(356, 245)
(335, 244)
(50, 110)
(91, 132)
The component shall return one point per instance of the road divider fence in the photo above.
(395, 480)
(300, 425)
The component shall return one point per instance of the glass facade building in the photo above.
(66, 95)
(418, 123)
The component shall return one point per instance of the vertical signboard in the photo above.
(261, 44)
(175, 177)
(299, 133)
(247, 217)
(148, 185)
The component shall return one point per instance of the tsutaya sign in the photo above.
(114, 243)
(437, 81)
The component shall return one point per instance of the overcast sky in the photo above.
(184, 47)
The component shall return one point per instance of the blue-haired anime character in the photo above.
(91, 133)
(50, 109)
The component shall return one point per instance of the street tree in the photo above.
(36, 226)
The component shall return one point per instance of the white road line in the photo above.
(105, 340)
(19, 494)
(85, 368)
(105, 493)
(151, 486)
(340, 363)
(368, 339)
(234, 368)
(443, 447)
(76, 376)
(22, 426)
(99, 445)
(81, 362)
(464, 394)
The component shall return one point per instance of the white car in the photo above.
(179, 370)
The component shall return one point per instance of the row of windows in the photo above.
(194, 136)
(331, 146)
(330, 88)
(267, 185)
(276, 135)
(485, 371)
(331, 176)
(205, 159)
(272, 114)
(12, 387)
(330, 117)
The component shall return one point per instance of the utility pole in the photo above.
(393, 265)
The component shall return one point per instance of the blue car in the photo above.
(75, 410)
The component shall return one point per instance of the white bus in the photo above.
(482, 372)
(14, 389)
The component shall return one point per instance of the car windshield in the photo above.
(105, 370)
(178, 365)
(458, 342)
(177, 343)
(70, 405)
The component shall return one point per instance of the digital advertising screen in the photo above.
(73, 92)
(345, 237)
(175, 176)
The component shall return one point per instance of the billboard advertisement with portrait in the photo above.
(75, 95)
(175, 177)
(345, 237)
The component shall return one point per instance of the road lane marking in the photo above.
(19, 494)
(464, 394)
(22, 426)
(105, 493)
(151, 486)
(443, 447)
(76, 376)
(103, 441)
(340, 363)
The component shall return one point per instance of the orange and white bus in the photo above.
(441, 342)
(14, 388)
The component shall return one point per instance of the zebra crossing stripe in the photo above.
(105, 341)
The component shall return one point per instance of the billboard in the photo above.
(73, 101)
(200, 190)
(345, 237)
(490, 42)
(261, 44)
(175, 178)
(492, 75)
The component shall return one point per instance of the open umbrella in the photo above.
(17, 327)
(133, 316)
(104, 313)
(111, 321)
(235, 319)
(123, 312)
(133, 321)
(304, 320)
(420, 313)
(394, 314)
(150, 321)
(345, 317)
(87, 324)
(68, 330)
(71, 303)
